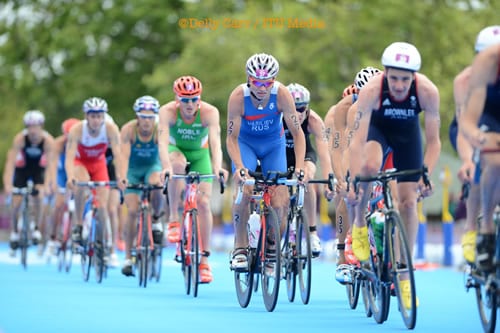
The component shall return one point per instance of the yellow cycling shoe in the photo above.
(406, 294)
(360, 244)
(469, 246)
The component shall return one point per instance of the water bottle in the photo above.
(253, 230)
(292, 230)
(377, 220)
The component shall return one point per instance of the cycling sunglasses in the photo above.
(259, 84)
(146, 116)
(301, 109)
(187, 99)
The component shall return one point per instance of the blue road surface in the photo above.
(41, 299)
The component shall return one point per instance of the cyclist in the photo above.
(190, 132)
(85, 158)
(255, 133)
(59, 174)
(28, 159)
(336, 121)
(311, 123)
(113, 221)
(139, 140)
(482, 108)
(486, 37)
(387, 116)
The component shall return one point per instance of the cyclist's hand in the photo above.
(341, 188)
(8, 189)
(329, 195)
(70, 184)
(423, 190)
(466, 170)
(122, 183)
(352, 196)
(240, 175)
(225, 174)
(166, 171)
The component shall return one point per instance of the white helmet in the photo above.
(146, 103)
(95, 104)
(300, 94)
(487, 37)
(402, 55)
(33, 117)
(262, 66)
(364, 76)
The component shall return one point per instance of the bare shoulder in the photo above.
(235, 101)
(209, 113)
(315, 119)
(425, 87)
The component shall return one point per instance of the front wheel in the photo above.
(352, 290)
(402, 269)
(270, 265)
(245, 281)
(194, 252)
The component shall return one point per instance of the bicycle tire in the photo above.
(144, 249)
(195, 253)
(156, 263)
(404, 267)
(99, 265)
(378, 293)
(304, 257)
(24, 239)
(86, 255)
(365, 293)
(289, 262)
(352, 290)
(185, 258)
(487, 305)
(246, 281)
(271, 267)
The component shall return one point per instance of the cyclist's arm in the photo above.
(317, 128)
(287, 106)
(49, 148)
(367, 101)
(211, 119)
(164, 122)
(71, 148)
(234, 114)
(430, 104)
(483, 72)
(10, 163)
(126, 136)
(333, 141)
(464, 148)
(114, 142)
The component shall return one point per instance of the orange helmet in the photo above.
(350, 90)
(67, 124)
(187, 86)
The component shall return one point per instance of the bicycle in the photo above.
(486, 283)
(388, 269)
(296, 253)
(188, 252)
(147, 252)
(65, 250)
(25, 223)
(263, 259)
(93, 249)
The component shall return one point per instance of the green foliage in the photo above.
(56, 53)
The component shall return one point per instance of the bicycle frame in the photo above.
(191, 243)
(24, 241)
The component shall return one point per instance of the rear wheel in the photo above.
(352, 290)
(99, 252)
(304, 257)
(402, 270)
(366, 294)
(144, 251)
(487, 303)
(86, 255)
(270, 267)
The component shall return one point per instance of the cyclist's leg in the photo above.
(373, 152)
(132, 203)
(310, 206)
(490, 198)
(157, 202)
(81, 174)
(240, 212)
(175, 186)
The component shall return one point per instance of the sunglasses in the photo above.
(187, 99)
(259, 84)
(301, 109)
(146, 116)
